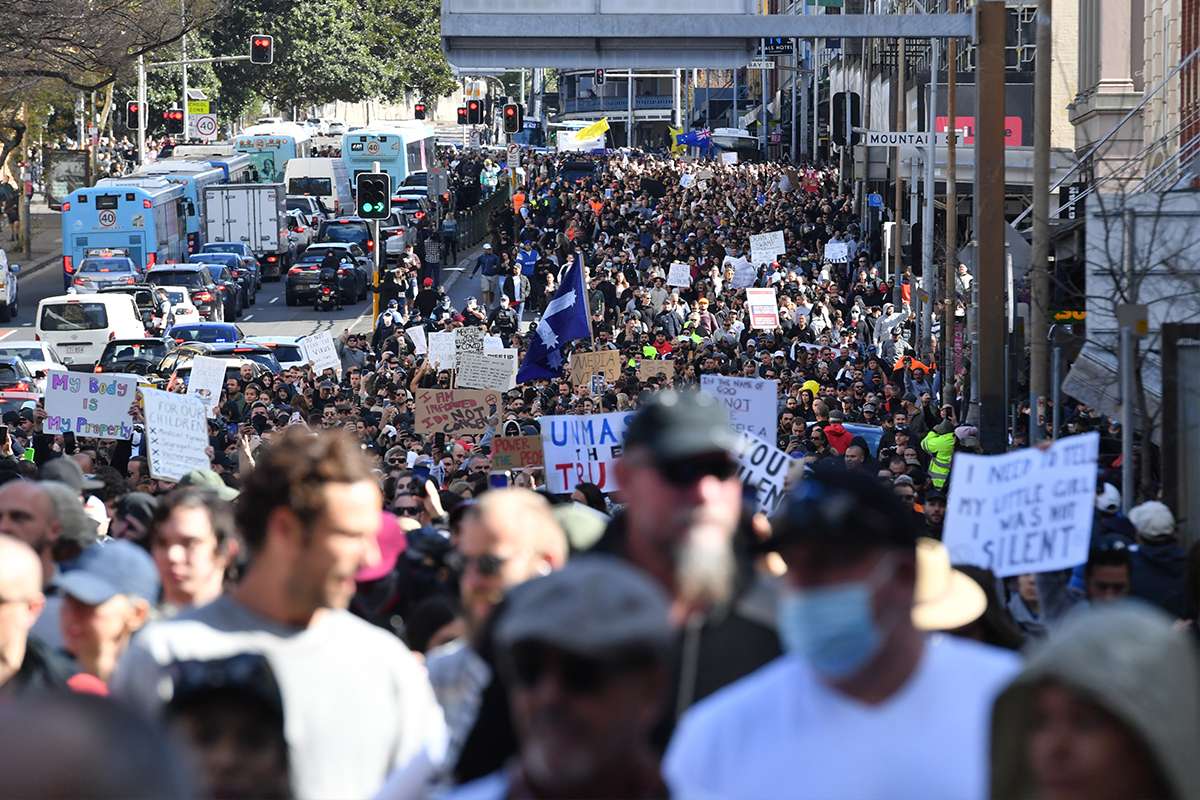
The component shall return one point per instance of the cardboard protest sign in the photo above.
(729, 157)
(1025, 511)
(680, 275)
(417, 334)
(587, 363)
(651, 368)
(582, 449)
(765, 246)
(493, 344)
(89, 405)
(837, 252)
(516, 452)
(467, 340)
(176, 433)
(320, 352)
(764, 309)
(442, 350)
(488, 370)
(763, 467)
(454, 411)
(752, 402)
(206, 381)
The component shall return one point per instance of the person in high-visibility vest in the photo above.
(939, 443)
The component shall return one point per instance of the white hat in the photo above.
(945, 599)
(487, 247)
(1153, 520)
(1109, 499)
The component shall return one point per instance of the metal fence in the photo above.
(473, 222)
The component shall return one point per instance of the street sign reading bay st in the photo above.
(901, 138)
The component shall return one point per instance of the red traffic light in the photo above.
(473, 105)
(262, 48)
(419, 111)
(262, 42)
(462, 115)
(510, 111)
(134, 108)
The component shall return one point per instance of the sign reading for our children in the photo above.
(89, 405)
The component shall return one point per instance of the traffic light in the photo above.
(474, 112)
(173, 120)
(598, 79)
(462, 115)
(838, 126)
(419, 111)
(133, 120)
(513, 118)
(262, 49)
(373, 192)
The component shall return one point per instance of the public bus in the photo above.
(193, 176)
(142, 218)
(738, 141)
(280, 141)
(401, 148)
(238, 167)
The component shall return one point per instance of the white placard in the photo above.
(89, 405)
(441, 350)
(1025, 511)
(319, 351)
(493, 344)
(417, 334)
(764, 309)
(176, 433)
(837, 252)
(763, 467)
(686, 180)
(729, 158)
(468, 340)
(206, 381)
(582, 449)
(764, 247)
(752, 402)
(680, 275)
(488, 370)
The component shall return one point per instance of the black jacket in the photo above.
(41, 670)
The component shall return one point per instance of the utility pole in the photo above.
(928, 284)
(141, 98)
(898, 202)
(184, 65)
(1039, 301)
(950, 320)
(629, 99)
(765, 142)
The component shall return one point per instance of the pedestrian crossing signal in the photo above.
(474, 112)
(462, 115)
(133, 119)
(513, 118)
(419, 111)
(373, 193)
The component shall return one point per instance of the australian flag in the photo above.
(565, 320)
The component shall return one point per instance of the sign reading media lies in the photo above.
(582, 449)
(89, 405)
(1025, 511)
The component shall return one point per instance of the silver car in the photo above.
(95, 273)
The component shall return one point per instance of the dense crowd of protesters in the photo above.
(344, 607)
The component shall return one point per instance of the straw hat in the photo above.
(945, 599)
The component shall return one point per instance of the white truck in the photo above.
(254, 213)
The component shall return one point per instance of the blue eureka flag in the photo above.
(565, 320)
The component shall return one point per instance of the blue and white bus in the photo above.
(193, 176)
(142, 218)
(238, 167)
(401, 148)
(280, 141)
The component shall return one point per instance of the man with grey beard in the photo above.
(678, 478)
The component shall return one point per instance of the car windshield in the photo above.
(268, 360)
(11, 373)
(236, 249)
(213, 334)
(299, 204)
(288, 352)
(97, 265)
(215, 270)
(27, 353)
(321, 186)
(343, 233)
(190, 278)
(74, 316)
(123, 351)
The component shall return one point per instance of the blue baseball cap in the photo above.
(110, 568)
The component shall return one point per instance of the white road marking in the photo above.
(274, 299)
(248, 317)
(8, 333)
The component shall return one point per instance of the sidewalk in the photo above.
(47, 240)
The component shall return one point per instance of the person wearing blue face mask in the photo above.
(863, 705)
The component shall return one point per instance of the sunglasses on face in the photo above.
(406, 511)
(686, 472)
(578, 675)
(487, 565)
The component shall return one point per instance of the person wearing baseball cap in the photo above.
(107, 598)
(858, 673)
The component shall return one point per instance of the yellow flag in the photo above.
(675, 147)
(594, 131)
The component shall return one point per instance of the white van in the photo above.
(323, 178)
(80, 325)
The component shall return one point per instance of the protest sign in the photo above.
(752, 402)
(176, 433)
(582, 449)
(454, 411)
(651, 368)
(319, 350)
(516, 452)
(680, 275)
(493, 344)
(744, 273)
(763, 308)
(1025, 511)
(765, 246)
(467, 340)
(441, 350)
(729, 157)
(837, 251)
(587, 363)
(686, 180)
(417, 334)
(763, 468)
(488, 370)
(206, 381)
(89, 405)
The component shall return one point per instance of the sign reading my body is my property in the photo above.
(1025, 511)
(89, 405)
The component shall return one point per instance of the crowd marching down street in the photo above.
(676, 505)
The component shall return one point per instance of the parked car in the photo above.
(8, 287)
(245, 277)
(134, 356)
(96, 273)
(40, 357)
(15, 375)
(242, 251)
(204, 292)
(210, 332)
(286, 349)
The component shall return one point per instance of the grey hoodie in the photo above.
(1126, 657)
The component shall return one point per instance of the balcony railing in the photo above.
(583, 105)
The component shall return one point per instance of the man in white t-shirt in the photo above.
(863, 706)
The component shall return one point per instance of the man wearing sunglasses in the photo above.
(683, 503)
(877, 709)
